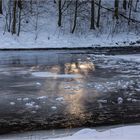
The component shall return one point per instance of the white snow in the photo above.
(31, 105)
(19, 99)
(49, 35)
(129, 99)
(38, 84)
(132, 57)
(26, 40)
(37, 106)
(120, 100)
(134, 100)
(12, 103)
(53, 107)
(25, 99)
(55, 75)
(42, 97)
(120, 133)
(60, 99)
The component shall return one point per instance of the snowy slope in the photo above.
(26, 40)
(49, 35)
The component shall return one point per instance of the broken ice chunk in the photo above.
(102, 101)
(60, 99)
(42, 97)
(19, 99)
(38, 84)
(25, 99)
(12, 103)
(30, 105)
(120, 100)
(53, 107)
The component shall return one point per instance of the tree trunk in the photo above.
(98, 18)
(14, 17)
(136, 5)
(10, 16)
(59, 13)
(130, 11)
(92, 24)
(31, 6)
(116, 12)
(75, 16)
(124, 4)
(19, 18)
(1, 11)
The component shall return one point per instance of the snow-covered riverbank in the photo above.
(26, 40)
(120, 133)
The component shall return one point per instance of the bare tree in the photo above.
(75, 16)
(37, 19)
(9, 14)
(19, 16)
(130, 11)
(31, 6)
(136, 5)
(124, 4)
(98, 18)
(116, 11)
(1, 11)
(59, 13)
(92, 24)
(63, 5)
(14, 17)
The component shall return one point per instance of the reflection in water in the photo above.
(79, 67)
(78, 98)
(76, 94)
(67, 100)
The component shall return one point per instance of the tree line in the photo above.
(15, 11)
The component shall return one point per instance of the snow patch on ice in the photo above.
(53, 107)
(135, 57)
(42, 97)
(60, 99)
(120, 100)
(25, 99)
(38, 84)
(12, 103)
(32, 105)
(55, 75)
(19, 99)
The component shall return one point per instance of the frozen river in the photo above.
(49, 90)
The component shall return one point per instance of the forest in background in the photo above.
(71, 16)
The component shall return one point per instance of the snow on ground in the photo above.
(26, 40)
(55, 75)
(120, 133)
